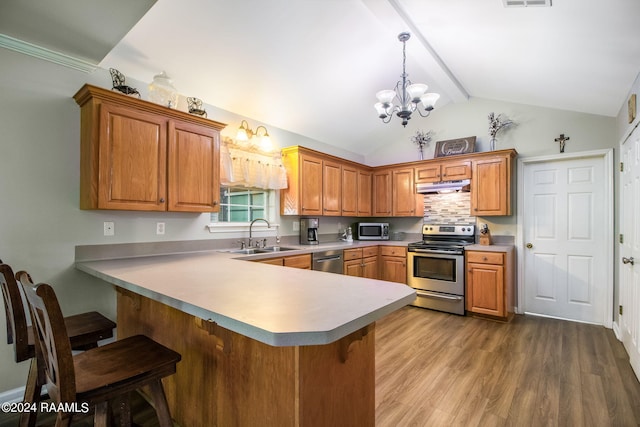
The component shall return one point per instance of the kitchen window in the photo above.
(240, 204)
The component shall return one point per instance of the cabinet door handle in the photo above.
(161, 199)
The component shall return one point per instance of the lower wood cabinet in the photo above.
(489, 282)
(393, 264)
(295, 261)
(361, 262)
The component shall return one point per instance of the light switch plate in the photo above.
(296, 226)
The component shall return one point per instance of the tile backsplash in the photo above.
(448, 208)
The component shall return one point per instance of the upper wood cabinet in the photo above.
(449, 170)
(382, 192)
(350, 176)
(310, 185)
(331, 188)
(395, 194)
(324, 185)
(491, 184)
(320, 184)
(365, 192)
(406, 202)
(137, 155)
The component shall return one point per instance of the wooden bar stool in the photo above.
(97, 375)
(84, 330)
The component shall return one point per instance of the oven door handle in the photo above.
(438, 296)
(434, 251)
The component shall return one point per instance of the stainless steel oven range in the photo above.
(435, 266)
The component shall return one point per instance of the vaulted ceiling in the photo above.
(313, 66)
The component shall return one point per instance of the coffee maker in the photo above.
(309, 231)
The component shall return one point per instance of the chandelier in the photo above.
(409, 96)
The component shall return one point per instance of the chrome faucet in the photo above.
(251, 228)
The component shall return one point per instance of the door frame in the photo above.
(607, 158)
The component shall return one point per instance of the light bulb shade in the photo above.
(429, 100)
(382, 112)
(386, 96)
(242, 134)
(416, 91)
(265, 143)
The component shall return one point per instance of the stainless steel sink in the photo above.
(265, 250)
(274, 249)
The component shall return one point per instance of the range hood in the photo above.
(443, 187)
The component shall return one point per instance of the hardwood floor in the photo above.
(436, 369)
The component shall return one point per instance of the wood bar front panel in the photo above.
(227, 379)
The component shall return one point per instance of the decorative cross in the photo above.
(562, 139)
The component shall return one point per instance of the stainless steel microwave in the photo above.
(372, 231)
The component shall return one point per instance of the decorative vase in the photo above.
(162, 91)
(492, 144)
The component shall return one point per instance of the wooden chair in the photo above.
(97, 375)
(84, 330)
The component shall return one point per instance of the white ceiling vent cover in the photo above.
(526, 3)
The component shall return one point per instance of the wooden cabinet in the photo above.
(406, 202)
(382, 192)
(393, 264)
(193, 168)
(310, 184)
(361, 262)
(489, 283)
(137, 155)
(295, 261)
(491, 184)
(365, 189)
(323, 185)
(331, 188)
(394, 193)
(443, 171)
(350, 175)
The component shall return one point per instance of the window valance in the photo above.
(251, 167)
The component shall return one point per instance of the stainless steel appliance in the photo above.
(443, 187)
(372, 230)
(330, 261)
(309, 231)
(435, 266)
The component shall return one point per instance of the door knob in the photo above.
(626, 260)
(529, 245)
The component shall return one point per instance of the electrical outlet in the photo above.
(159, 227)
(109, 228)
(296, 226)
(339, 227)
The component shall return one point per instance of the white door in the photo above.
(630, 248)
(567, 236)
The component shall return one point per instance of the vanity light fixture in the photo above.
(245, 133)
(410, 96)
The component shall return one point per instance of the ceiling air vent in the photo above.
(526, 3)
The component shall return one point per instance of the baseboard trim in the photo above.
(617, 331)
(12, 396)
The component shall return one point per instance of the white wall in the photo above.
(41, 223)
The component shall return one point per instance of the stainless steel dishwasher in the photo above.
(330, 261)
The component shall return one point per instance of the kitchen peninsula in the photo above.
(260, 344)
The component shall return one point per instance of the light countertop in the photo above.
(489, 248)
(278, 306)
